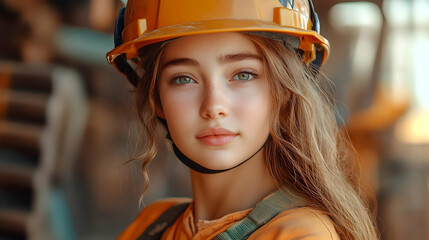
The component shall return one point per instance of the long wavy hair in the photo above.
(306, 150)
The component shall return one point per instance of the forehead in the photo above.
(214, 44)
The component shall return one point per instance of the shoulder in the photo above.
(148, 215)
(298, 223)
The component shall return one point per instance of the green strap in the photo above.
(260, 215)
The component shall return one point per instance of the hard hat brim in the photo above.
(131, 48)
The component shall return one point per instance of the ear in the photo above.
(159, 112)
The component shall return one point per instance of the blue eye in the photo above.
(183, 80)
(244, 76)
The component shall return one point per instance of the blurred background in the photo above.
(67, 122)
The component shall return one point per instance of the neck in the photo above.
(216, 195)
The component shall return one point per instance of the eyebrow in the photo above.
(239, 57)
(180, 61)
(222, 59)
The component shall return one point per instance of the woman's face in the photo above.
(215, 98)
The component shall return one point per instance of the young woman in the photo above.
(235, 85)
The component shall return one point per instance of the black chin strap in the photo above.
(198, 168)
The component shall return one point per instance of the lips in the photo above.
(216, 136)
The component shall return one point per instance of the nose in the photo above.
(215, 102)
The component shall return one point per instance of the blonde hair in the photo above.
(305, 151)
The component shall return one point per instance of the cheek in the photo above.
(178, 113)
(255, 110)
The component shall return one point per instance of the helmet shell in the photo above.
(150, 21)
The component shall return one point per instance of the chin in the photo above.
(219, 161)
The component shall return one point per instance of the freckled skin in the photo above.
(215, 99)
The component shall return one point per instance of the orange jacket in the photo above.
(298, 223)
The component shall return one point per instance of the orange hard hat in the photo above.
(143, 22)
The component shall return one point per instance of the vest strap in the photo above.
(263, 212)
(260, 215)
(167, 218)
